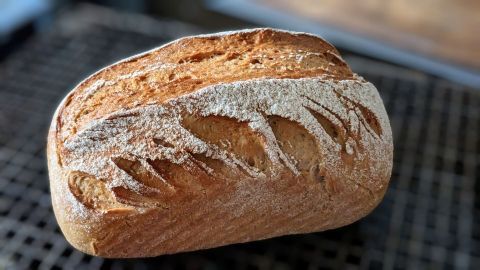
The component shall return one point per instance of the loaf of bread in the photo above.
(217, 139)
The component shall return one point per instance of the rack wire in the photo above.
(430, 217)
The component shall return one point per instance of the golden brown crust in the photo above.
(171, 151)
(193, 63)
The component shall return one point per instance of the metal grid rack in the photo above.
(430, 217)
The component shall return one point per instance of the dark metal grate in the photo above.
(430, 217)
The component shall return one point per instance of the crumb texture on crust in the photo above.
(255, 123)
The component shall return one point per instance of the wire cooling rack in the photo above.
(430, 217)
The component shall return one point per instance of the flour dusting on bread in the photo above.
(130, 134)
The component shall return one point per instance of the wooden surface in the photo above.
(446, 30)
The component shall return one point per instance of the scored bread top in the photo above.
(194, 117)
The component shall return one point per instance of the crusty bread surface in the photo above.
(217, 139)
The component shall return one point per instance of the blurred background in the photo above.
(422, 55)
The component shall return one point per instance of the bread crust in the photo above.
(217, 139)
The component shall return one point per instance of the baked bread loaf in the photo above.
(217, 139)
